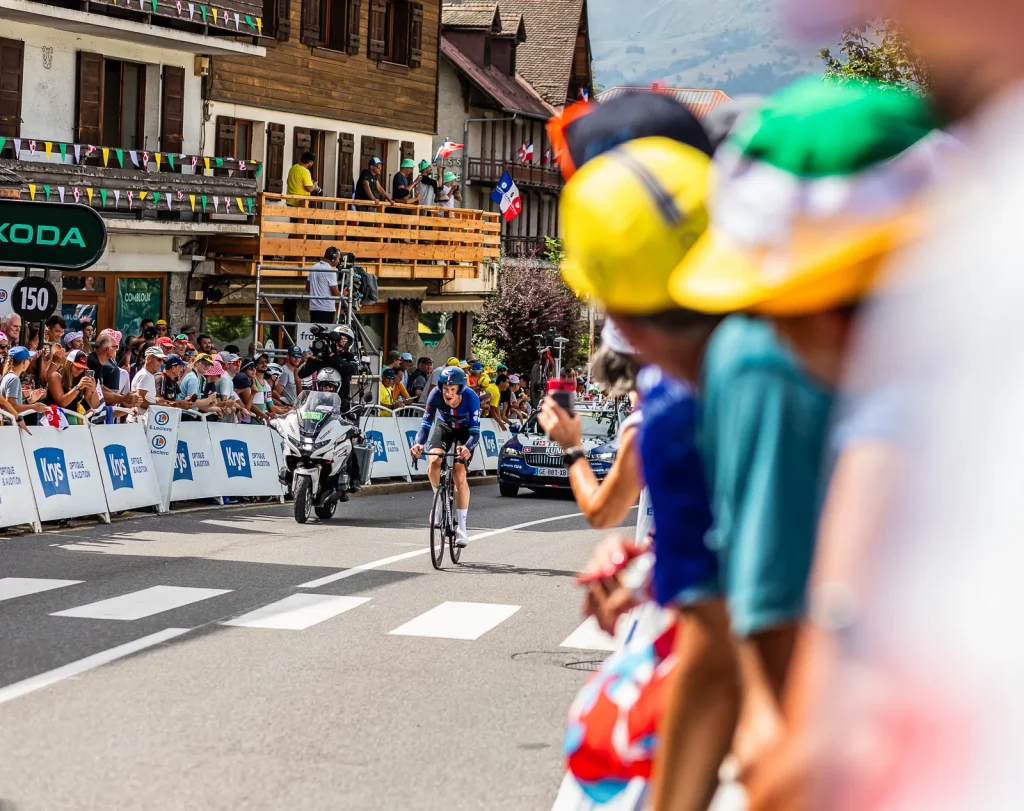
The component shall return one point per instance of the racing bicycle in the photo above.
(444, 521)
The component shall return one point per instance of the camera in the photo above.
(321, 346)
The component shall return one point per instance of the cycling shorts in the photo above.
(443, 436)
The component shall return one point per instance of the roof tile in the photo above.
(509, 93)
(470, 15)
(545, 59)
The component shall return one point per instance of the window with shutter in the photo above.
(355, 8)
(416, 35)
(89, 118)
(397, 28)
(277, 22)
(225, 137)
(311, 13)
(375, 29)
(407, 150)
(335, 18)
(12, 66)
(302, 143)
(274, 168)
(172, 109)
(346, 164)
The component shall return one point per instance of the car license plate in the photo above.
(558, 472)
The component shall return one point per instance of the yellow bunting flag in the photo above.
(241, 208)
(88, 193)
(259, 25)
(206, 163)
(106, 155)
(214, 15)
(49, 148)
(32, 191)
(157, 155)
(192, 201)
(142, 195)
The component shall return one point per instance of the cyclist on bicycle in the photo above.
(456, 408)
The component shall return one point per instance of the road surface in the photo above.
(231, 658)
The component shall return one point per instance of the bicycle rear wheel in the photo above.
(438, 528)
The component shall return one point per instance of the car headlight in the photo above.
(606, 456)
(511, 453)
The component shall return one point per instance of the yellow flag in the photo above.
(241, 208)
(142, 195)
(88, 193)
(259, 25)
(106, 155)
(32, 191)
(206, 162)
(49, 149)
(157, 155)
(214, 16)
(192, 201)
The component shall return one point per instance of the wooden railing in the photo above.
(213, 17)
(523, 247)
(484, 170)
(391, 241)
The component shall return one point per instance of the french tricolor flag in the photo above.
(506, 195)
(446, 150)
(526, 152)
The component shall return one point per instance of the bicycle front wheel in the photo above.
(438, 528)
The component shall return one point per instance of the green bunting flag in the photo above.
(202, 199)
(120, 157)
(249, 22)
(202, 10)
(156, 197)
(259, 169)
(154, 5)
(103, 197)
(3, 143)
(63, 152)
(170, 159)
(219, 162)
(248, 202)
(46, 191)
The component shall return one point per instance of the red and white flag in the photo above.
(506, 195)
(526, 152)
(546, 160)
(446, 150)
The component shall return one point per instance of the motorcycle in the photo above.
(326, 456)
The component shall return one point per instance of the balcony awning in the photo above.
(453, 304)
(398, 293)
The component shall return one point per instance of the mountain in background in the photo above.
(738, 46)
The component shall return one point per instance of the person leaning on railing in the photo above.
(18, 360)
(70, 387)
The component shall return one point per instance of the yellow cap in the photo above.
(452, 362)
(628, 219)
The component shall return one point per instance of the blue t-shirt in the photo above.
(465, 416)
(189, 384)
(684, 568)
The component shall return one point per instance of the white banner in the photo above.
(162, 434)
(17, 502)
(408, 427)
(6, 286)
(64, 472)
(245, 458)
(391, 456)
(491, 440)
(195, 474)
(126, 466)
(303, 336)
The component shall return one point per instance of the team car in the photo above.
(533, 461)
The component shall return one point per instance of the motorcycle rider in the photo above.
(340, 356)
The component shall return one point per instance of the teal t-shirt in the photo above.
(763, 433)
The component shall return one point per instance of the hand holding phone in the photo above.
(564, 394)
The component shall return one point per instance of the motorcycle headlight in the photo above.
(321, 443)
(606, 456)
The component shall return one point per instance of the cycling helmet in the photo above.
(274, 369)
(341, 331)
(452, 376)
(328, 377)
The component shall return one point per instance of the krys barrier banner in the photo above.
(408, 427)
(17, 502)
(162, 435)
(64, 472)
(390, 454)
(244, 455)
(126, 466)
(196, 474)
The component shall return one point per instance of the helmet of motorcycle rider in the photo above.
(452, 376)
(328, 380)
(341, 331)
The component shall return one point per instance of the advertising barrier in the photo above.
(17, 502)
(244, 455)
(162, 435)
(65, 473)
(391, 456)
(195, 473)
(408, 427)
(126, 466)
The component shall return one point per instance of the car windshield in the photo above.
(596, 424)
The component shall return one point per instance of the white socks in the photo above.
(462, 520)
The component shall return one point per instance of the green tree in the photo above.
(877, 50)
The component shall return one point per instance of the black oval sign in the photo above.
(34, 299)
(50, 235)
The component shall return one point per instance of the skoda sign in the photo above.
(50, 235)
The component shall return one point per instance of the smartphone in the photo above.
(91, 374)
(563, 393)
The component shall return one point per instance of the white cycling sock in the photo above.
(463, 514)
(433, 488)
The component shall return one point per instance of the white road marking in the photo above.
(11, 587)
(30, 685)
(365, 567)
(298, 612)
(457, 620)
(589, 637)
(139, 604)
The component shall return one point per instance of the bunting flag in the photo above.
(31, 191)
(49, 148)
(142, 5)
(60, 193)
(46, 191)
(78, 153)
(103, 197)
(117, 197)
(76, 192)
(216, 201)
(249, 200)
(195, 160)
(89, 149)
(145, 160)
(88, 193)
(236, 20)
(156, 197)
(156, 157)
(31, 147)
(154, 6)
(259, 25)
(142, 196)
(202, 199)
(227, 204)
(241, 208)
(218, 161)
(63, 152)
(17, 147)
(202, 10)
(131, 197)
(120, 157)
(192, 201)
(214, 10)
(169, 198)
(249, 22)
(180, 195)
(241, 166)
(259, 170)
(134, 156)
(178, 4)
(191, 10)
(3, 143)
(170, 160)
(206, 163)
(106, 155)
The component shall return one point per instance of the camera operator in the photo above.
(335, 349)
(321, 283)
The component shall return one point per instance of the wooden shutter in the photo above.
(375, 29)
(407, 150)
(283, 20)
(310, 22)
(367, 149)
(416, 35)
(225, 137)
(346, 158)
(172, 110)
(12, 66)
(302, 143)
(274, 166)
(89, 119)
(355, 9)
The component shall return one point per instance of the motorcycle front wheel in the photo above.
(303, 499)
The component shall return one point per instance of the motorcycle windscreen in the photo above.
(315, 408)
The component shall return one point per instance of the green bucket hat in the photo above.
(408, 163)
(449, 177)
(810, 194)
(424, 164)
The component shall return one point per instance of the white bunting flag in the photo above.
(216, 201)
(134, 156)
(169, 196)
(141, 2)
(60, 193)
(117, 197)
(78, 153)
(191, 10)
(17, 147)
(236, 20)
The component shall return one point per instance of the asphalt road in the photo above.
(337, 684)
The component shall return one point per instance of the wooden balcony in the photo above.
(524, 247)
(392, 242)
(525, 175)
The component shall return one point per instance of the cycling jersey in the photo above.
(465, 416)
